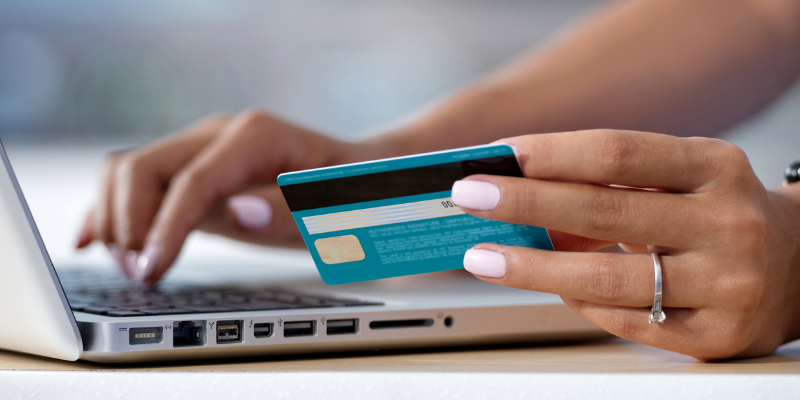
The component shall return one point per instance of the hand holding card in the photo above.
(394, 217)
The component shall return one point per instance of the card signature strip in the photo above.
(381, 215)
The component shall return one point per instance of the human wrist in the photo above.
(787, 201)
(467, 118)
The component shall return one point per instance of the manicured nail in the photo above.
(119, 258)
(146, 263)
(477, 195)
(251, 212)
(131, 258)
(485, 263)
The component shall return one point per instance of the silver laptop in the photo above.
(96, 315)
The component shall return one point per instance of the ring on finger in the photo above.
(656, 314)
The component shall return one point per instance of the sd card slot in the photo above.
(401, 323)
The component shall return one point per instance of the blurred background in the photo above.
(81, 78)
(88, 70)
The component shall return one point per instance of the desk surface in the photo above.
(605, 356)
(612, 369)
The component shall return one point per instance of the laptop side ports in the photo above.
(401, 323)
(151, 335)
(299, 328)
(342, 326)
(229, 331)
(188, 333)
(262, 330)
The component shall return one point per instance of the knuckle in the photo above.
(248, 124)
(607, 283)
(112, 159)
(615, 152)
(132, 165)
(523, 209)
(111, 163)
(215, 119)
(606, 208)
(727, 159)
(253, 117)
(729, 151)
(745, 289)
(747, 228)
(190, 178)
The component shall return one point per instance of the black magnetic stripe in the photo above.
(391, 184)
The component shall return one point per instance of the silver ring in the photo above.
(656, 314)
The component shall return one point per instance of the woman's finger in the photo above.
(86, 233)
(593, 211)
(239, 158)
(119, 260)
(103, 210)
(141, 179)
(259, 216)
(677, 333)
(604, 278)
(637, 159)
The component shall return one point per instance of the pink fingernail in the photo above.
(146, 263)
(251, 212)
(477, 195)
(131, 258)
(485, 263)
(119, 258)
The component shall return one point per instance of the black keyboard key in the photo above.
(97, 310)
(84, 298)
(155, 307)
(231, 299)
(261, 295)
(210, 309)
(124, 313)
(78, 306)
(166, 311)
(263, 306)
(361, 303)
(194, 302)
(286, 298)
(309, 300)
(304, 305)
(126, 304)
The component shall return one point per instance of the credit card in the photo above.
(394, 217)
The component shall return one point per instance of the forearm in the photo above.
(678, 67)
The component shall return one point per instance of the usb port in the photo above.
(299, 328)
(342, 326)
(145, 335)
(262, 330)
(229, 331)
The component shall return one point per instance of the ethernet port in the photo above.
(188, 333)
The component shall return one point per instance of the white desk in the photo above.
(609, 369)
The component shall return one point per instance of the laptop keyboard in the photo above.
(106, 293)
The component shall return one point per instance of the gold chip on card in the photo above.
(339, 249)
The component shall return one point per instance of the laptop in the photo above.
(96, 315)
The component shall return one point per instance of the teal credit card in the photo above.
(394, 217)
